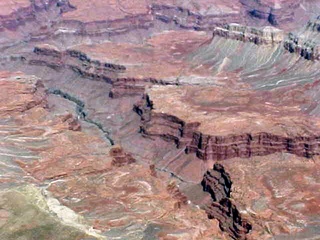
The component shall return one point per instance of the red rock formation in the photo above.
(120, 158)
(229, 218)
(127, 79)
(72, 172)
(73, 123)
(76, 61)
(126, 44)
(124, 87)
(94, 69)
(153, 171)
(211, 147)
(174, 191)
(218, 183)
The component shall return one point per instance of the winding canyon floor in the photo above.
(160, 119)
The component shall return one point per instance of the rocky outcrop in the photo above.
(229, 218)
(306, 48)
(122, 87)
(275, 14)
(247, 145)
(152, 170)
(126, 87)
(29, 13)
(266, 35)
(218, 183)
(187, 19)
(48, 51)
(77, 61)
(86, 60)
(109, 28)
(210, 147)
(314, 25)
(120, 158)
(175, 192)
(73, 123)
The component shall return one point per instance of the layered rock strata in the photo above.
(276, 13)
(306, 48)
(108, 19)
(266, 35)
(107, 27)
(28, 12)
(175, 192)
(256, 126)
(88, 178)
(70, 181)
(314, 25)
(220, 147)
(218, 183)
(186, 19)
(112, 20)
(83, 65)
(140, 69)
(265, 191)
(120, 158)
(77, 61)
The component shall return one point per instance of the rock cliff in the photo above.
(218, 183)
(214, 147)
(266, 35)
(306, 48)
(276, 13)
(94, 69)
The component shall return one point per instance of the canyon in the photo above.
(161, 119)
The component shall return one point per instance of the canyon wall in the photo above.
(208, 147)
(266, 35)
(305, 47)
(81, 64)
(187, 19)
(276, 13)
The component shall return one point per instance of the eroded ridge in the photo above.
(94, 69)
(266, 35)
(218, 183)
(220, 147)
